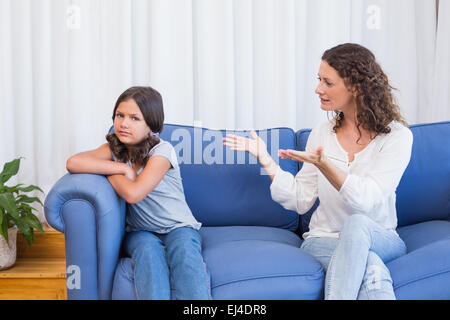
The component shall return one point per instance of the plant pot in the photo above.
(8, 253)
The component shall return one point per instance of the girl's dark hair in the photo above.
(151, 105)
(375, 104)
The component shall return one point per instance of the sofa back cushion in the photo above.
(423, 193)
(301, 138)
(224, 187)
(424, 190)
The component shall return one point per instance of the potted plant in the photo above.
(16, 213)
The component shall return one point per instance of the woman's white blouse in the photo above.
(369, 188)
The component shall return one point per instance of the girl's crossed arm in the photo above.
(122, 177)
(98, 161)
(134, 191)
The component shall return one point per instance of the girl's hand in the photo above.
(129, 173)
(256, 146)
(316, 157)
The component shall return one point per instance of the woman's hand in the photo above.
(334, 175)
(316, 157)
(256, 146)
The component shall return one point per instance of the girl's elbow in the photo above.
(133, 199)
(133, 196)
(70, 165)
(130, 199)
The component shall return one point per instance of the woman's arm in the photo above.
(98, 161)
(333, 174)
(362, 192)
(293, 193)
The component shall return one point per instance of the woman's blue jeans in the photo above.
(168, 265)
(355, 263)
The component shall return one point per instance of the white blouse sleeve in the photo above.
(361, 193)
(300, 192)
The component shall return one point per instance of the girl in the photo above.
(162, 236)
(353, 163)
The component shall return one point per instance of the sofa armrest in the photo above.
(91, 215)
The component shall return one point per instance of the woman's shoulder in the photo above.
(399, 130)
(398, 137)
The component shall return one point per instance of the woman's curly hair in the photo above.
(151, 105)
(376, 107)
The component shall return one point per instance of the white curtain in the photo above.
(439, 109)
(217, 63)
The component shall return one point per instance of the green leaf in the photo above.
(24, 206)
(33, 222)
(8, 203)
(23, 198)
(15, 188)
(4, 230)
(27, 232)
(9, 169)
(30, 188)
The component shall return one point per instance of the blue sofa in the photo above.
(250, 243)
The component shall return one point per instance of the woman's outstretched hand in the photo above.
(255, 145)
(257, 148)
(335, 175)
(315, 157)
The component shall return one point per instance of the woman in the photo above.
(353, 163)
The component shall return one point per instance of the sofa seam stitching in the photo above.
(319, 272)
(420, 278)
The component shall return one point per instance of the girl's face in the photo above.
(333, 94)
(129, 123)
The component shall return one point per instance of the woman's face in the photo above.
(332, 91)
(129, 123)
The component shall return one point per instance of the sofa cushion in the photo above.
(425, 233)
(224, 187)
(301, 138)
(259, 263)
(247, 263)
(424, 272)
(423, 193)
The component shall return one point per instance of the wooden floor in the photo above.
(40, 270)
